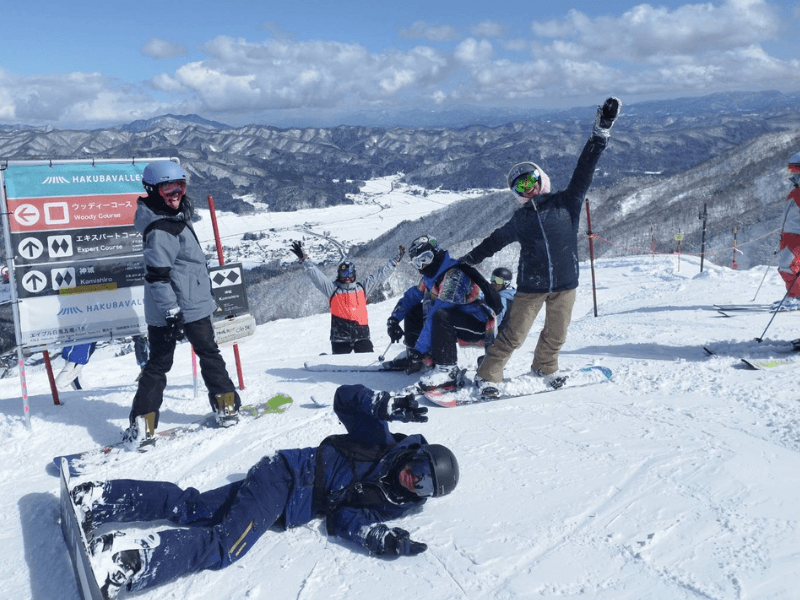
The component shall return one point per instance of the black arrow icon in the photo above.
(35, 279)
(31, 248)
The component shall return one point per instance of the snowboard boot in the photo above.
(487, 389)
(554, 380)
(85, 496)
(118, 559)
(443, 377)
(226, 412)
(141, 432)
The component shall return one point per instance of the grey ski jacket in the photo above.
(176, 274)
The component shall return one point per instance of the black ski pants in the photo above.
(359, 346)
(153, 380)
(449, 326)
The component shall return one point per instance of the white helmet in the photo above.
(524, 168)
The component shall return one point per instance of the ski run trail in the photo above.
(679, 479)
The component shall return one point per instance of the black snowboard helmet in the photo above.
(445, 469)
(425, 255)
(346, 272)
(501, 273)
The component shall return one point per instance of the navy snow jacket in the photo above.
(547, 230)
(352, 501)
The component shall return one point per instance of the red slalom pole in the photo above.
(590, 235)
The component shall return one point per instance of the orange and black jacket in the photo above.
(348, 301)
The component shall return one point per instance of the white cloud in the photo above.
(647, 33)
(488, 29)
(158, 48)
(72, 98)
(280, 74)
(692, 49)
(429, 31)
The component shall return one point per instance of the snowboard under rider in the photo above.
(546, 226)
(178, 301)
(348, 299)
(357, 481)
(446, 306)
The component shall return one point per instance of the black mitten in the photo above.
(393, 542)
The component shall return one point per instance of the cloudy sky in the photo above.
(100, 62)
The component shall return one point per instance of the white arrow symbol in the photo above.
(31, 248)
(26, 215)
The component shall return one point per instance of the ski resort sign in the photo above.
(75, 256)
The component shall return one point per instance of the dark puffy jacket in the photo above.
(547, 231)
(348, 516)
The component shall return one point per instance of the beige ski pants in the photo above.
(557, 316)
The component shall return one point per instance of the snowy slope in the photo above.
(680, 479)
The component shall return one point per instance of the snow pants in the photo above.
(218, 526)
(153, 379)
(359, 347)
(526, 307)
(448, 327)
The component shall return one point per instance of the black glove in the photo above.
(297, 248)
(394, 542)
(606, 115)
(394, 330)
(405, 409)
(175, 327)
(401, 250)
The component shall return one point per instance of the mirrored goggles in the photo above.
(347, 273)
(422, 469)
(525, 183)
(170, 188)
(498, 280)
(423, 259)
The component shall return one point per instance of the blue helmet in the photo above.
(161, 171)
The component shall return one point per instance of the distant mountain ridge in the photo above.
(662, 154)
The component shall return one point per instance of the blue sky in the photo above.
(98, 63)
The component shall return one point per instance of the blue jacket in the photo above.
(456, 291)
(547, 231)
(348, 516)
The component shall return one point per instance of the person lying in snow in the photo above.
(357, 480)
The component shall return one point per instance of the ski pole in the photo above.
(762, 280)
(382, 356)
(775, 312)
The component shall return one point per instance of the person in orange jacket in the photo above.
(348, 299)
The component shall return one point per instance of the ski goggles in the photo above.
(423, 259)
(422, 469)
(498, 280)
(170, 188)
(347, 273)
(525, 183)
